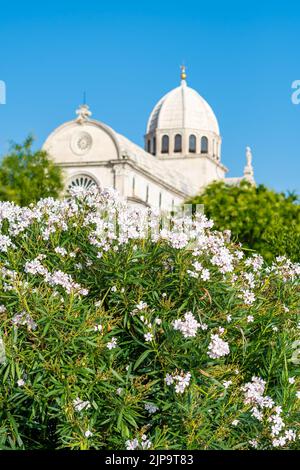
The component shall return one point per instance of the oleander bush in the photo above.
(121, 330)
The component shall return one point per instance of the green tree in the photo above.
(261, 219)
(27, 175)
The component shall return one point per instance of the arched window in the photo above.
(204, 144)
(154, 146)
(149, 146)
(165, 144)
(178, 143)
(81, 181)
(192, 144)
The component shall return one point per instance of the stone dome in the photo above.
(183, 108)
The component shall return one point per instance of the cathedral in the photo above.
(181, 155)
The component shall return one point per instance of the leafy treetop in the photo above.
(27, 175)
(260, 218)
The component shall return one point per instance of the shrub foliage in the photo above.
(119, 333)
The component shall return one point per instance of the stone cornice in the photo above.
(113, 163)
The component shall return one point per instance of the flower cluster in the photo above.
(247, 296)
(24, 318)
(199, 271)
(143, 444)
(181, 381)
(217, 347)
(285, 268)
(188, 327)
(57, 278)
(61, 251)
(254, 395)
(254, 391)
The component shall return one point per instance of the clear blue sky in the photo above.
(242, 57)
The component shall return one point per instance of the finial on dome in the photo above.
(83, 113)
(183, 72)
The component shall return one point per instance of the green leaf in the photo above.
(141, 359)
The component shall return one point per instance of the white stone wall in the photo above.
(90, 149)
(140, 187)
(135, 185)
(199, 169)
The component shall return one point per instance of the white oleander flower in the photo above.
(169, 379)
(256, 413)
(132, 445)
(98, 327)
(227, 383)
(151, 408)
(112, 344)
(80, 405)
(148, 337)
(61, 251)
(145, 443)
(205, 275)
(253, 443)
(5, 243)
(247, 296)
(141, 305)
